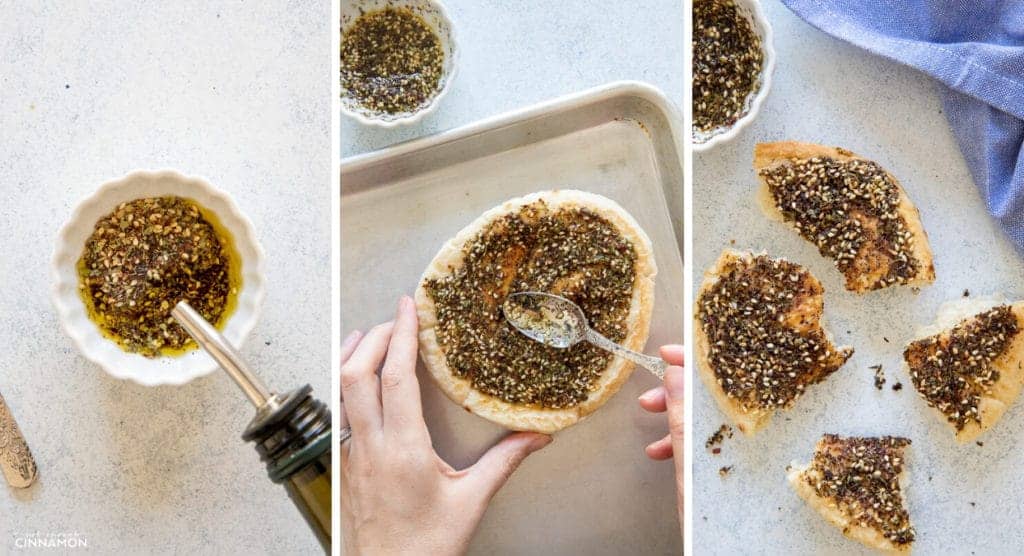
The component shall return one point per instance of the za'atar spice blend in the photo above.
(145, 257)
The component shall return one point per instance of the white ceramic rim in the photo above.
(415, 117)
(767, 46)
(71, 310)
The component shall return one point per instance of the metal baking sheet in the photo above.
(592, 491)
(962, 498)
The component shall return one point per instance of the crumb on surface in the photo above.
(723, 432)
(879, 376)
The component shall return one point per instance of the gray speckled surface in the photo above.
(519, 52)
(238, 95)
(826, 91)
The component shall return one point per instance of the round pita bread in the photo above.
(534, 418)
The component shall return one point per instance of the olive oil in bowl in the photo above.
(147, 255)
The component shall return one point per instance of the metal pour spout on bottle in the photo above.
(292, 431)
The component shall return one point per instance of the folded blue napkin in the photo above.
(975, 48)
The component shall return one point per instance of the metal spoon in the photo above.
(555, 321)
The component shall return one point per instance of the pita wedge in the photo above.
(578, 245)
(856, 484)
(970, 364)
(852, 209)
(759, 339)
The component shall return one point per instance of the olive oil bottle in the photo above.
(293, 437)
(292, 431)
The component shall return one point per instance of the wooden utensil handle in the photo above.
(16, 462)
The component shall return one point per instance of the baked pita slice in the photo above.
(853, 210)
(969, 366)
(759, 338)
(856, 484)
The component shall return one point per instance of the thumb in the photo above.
(494, 468)
(674, 386)
(674, 390)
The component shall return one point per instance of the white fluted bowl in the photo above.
(86, 335)
(751, 9)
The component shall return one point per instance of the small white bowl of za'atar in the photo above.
(135, 248)
(398, 59)
(733, 61)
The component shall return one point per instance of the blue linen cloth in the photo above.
(975, 48)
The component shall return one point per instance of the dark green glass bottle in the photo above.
(292, 433)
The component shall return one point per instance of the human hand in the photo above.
(669, 398)
(397, 495)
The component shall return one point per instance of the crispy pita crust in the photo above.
(530, 418)
(773, 154)
(1010, 365)
(864, 535)
(807, 313)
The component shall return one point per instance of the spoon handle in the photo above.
(16, 461)
(654, 364)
